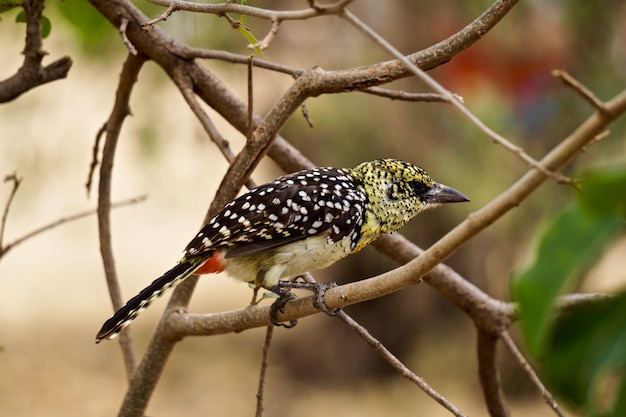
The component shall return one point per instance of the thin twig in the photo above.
(191, 53)
(265, 42)
(306, 115)
(235, 24)
(127, 42)
(250, 129)
(94, 158)
(63, 220)
(222, 9)
(599, 137)
(428, 80)
(397, 364)
(150, 24)
(263, 372)
(530, 373)
(583, 91)
(184, 85)
(573, 302)
(16, 184)
(406, 96)
(567, 303)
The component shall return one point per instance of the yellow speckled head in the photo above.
(398, 191)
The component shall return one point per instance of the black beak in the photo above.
(443, 194)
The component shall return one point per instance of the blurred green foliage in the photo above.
(585, 356)
(90, 27)
(581, 352)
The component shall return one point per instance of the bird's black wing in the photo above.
(291, 208)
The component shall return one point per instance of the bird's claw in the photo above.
(285, 295)
(319, 302)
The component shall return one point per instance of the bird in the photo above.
(299, 222)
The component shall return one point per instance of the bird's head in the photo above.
(398, 191)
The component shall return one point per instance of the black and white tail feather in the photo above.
(122, 318)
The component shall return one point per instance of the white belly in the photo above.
(287, 261)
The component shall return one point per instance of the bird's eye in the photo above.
(418, 187)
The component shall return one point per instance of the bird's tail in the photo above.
(122, 318)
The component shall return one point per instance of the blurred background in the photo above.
(54, 296)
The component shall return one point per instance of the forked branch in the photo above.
(32, 73)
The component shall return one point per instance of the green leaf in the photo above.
(250, 37)
(582, 353)
(46, 26)
(604, 192)
(246, 32)
(573, 243)
(585, 357)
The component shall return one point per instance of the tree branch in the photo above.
(16, 184)
(128, 78)
(489, 375)
(62, 221)
(185, 86)
(32, 74)
(263, 372)
(583, 91)
(273, 15)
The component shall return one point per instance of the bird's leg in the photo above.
(284, 295)
(255, 292)
(319, 288)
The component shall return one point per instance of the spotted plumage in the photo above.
(299, 222)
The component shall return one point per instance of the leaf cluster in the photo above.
(582, 351)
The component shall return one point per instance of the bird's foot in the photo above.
(320, 303)
(283, 289)
(284, 295)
